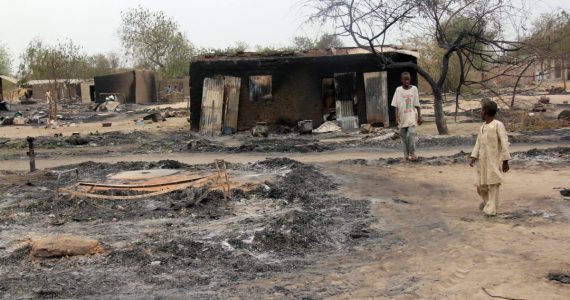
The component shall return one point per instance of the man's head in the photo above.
(406, 79)
(488, 109)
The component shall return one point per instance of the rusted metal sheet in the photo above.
(345, 115)
(345, 96)
(212, 106)
(232, 86)
(154, 185)
(376, 87)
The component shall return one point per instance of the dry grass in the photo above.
(525, 121)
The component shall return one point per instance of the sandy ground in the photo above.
(452, 251)
(433, 244)
(22, 164)
(441, 246)
(85, 128)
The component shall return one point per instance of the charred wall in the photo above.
(122, 83)
(297, 84)
(137, 86)
(145, 87)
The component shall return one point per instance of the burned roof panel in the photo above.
(305, 53)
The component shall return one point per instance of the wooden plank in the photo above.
(196, 183)
(375, 85)
(212, 107)
(345, 98)
(232, 87)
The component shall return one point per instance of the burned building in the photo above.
(62, 89)
(346, 84)
(137, 86)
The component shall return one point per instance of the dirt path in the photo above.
(201, 158)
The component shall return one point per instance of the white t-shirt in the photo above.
(406, 101)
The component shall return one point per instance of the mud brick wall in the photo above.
(145, 87)
(61, 92)
(137, 86)
(296, 85)
(123, 83)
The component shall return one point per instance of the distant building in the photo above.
(8, 84)
(58, 88)
(174, 90)
(137, 86)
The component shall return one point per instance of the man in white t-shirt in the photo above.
(406, 102)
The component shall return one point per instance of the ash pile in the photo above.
(280, 216)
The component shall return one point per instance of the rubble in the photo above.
(7, 121)
(258, 232)
(64, 245)
(366, 128)
(77, 139)
(539, 107)
(107, 106)
(557, 90)
(260, 130)
(560, 277)
(329, 126)
(564, 115)
(305, 127)
(4, 105)
(155, 117)
(20, 120)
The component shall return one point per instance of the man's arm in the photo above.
(474, 153)
(417, 104)
(420, 120)
(397, 115)
(504, 147)
(395, 105)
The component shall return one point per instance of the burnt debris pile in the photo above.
(173, 241)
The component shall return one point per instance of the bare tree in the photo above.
(471, 30)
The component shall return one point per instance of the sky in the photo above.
(207, 23)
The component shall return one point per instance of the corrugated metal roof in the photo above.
(47, 81)
(9, 78)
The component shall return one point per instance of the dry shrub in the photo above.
(524, 121)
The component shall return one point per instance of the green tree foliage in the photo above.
(328, 40)
(5, 60)
(237, 48)
(550, 35)
(61, 61)
(303, 43)
(154, 41)
(102, 64)
(57, 63)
